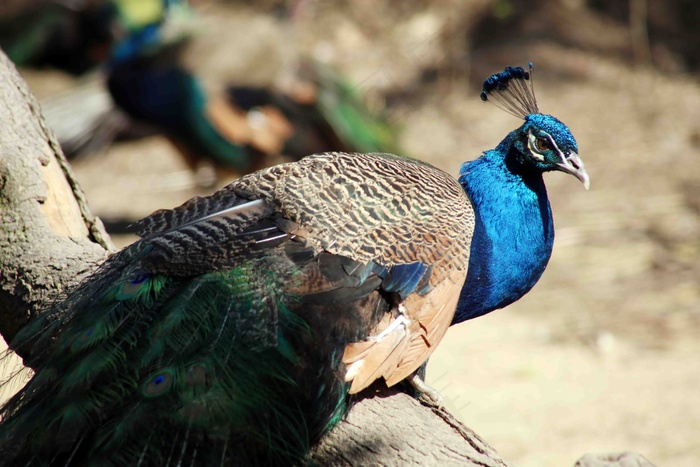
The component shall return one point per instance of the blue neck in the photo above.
(514, 232)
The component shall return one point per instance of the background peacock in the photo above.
(237, 128)
(235, 329)
(77, 37)
(144, 87)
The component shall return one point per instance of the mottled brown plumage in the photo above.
(367, 207)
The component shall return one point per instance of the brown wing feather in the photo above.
(382, 209)
(230, 122)
(378, 361)
(389, 210)
(429, 316)
(371, 207)
(432, 330)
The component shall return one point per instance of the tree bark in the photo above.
(49, 239)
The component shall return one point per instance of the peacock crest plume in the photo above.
(512, 90)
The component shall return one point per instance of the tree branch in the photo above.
(49, 239)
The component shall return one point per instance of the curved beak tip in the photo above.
(585, 179)
(574, 165)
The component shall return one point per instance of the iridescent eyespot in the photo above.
(158, 384)
(138, 278)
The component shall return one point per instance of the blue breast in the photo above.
(513, 236)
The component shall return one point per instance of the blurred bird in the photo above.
(238, 128)
(149, 90)
(78, 36)
(235, 330)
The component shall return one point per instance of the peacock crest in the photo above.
(512, 90)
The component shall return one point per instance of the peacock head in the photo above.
(542, 142)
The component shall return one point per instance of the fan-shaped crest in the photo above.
(512, 91)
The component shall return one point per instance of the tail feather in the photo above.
(178, 370)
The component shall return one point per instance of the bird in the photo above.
(81, 38)
(143, 88)
(238, 129)
(53, 34)
(77, 37)
(241, 326)
(242, 127)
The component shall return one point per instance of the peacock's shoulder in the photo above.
(375, 206)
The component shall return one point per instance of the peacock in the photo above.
(240, 326)
(239, 128)
(77, 36)
(143, 88)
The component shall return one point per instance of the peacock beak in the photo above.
(572, 164)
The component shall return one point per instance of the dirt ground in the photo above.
(602, 355)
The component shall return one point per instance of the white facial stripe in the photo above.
(556, 148)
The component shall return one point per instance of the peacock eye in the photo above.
(542, 144)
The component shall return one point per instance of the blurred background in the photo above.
(603, 355)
